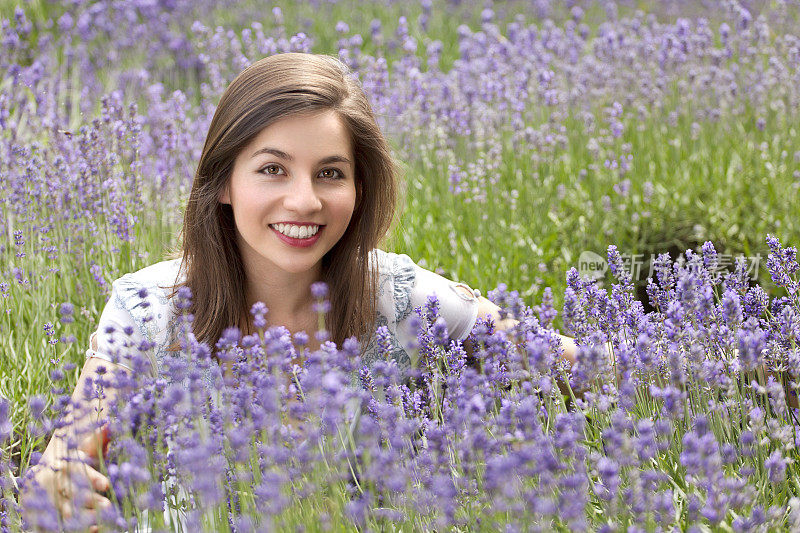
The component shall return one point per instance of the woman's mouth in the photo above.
(299, 235)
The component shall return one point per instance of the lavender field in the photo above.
(532, 135)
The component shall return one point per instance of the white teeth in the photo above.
(296, 232)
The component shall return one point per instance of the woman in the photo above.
(295, 185)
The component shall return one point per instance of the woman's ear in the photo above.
(224, 196)
(359, 193)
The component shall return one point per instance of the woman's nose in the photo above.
(302, 197)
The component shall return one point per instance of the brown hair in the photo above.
(268, 90)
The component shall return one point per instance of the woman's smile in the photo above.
(297, 234)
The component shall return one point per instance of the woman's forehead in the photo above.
(322, 133)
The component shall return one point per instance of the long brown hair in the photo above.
(268, 90)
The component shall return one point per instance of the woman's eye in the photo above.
(330, 173)
(271, 169)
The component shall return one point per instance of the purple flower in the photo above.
(591, 362)
(384, 341)
(97, 274)
(301, 338)
(546, 310)
(782, 264)
(183, 298)
(66, 310)
(37, 404)
(710, 259)
(616, 267)
(356, 510)
(775, 465)
(319, 290)
(609, 477)
(751, 346)
(755, 302)
(5, 420)
(575, 319)
(229, 338)
(731, 308)
(439, 331)
(259, 311)
(431, 308)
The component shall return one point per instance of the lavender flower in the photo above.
(259, 311)
(782, 264)
(66, 311)
(775, 465)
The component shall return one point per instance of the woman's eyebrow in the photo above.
(273, 151)
(334, 159)
(283, 155)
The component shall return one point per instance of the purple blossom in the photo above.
(37, 405)
(616, 267)
(755, 302)
(319, 290)
(782, 264)
(66, 311)
(775, 465)
(259, 311)
(751, 346)
(731, 308)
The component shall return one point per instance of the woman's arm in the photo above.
(59, 465)
(487, 308)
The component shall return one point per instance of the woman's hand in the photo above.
(487, 308)
(71, 479)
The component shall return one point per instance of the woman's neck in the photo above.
(287, 295)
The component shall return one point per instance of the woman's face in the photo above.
(293, 191)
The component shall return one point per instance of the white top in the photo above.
(140, 309)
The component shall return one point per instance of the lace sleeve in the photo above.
(458, 303)
(404, 276)
(129, 327)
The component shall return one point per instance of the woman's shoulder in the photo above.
(390, 263)
(398, 269)
(413, 285)
(153, 284)
(159, 275)
(396, 276)
(140, 308)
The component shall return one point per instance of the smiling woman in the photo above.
(295, 186)
(274, 155)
